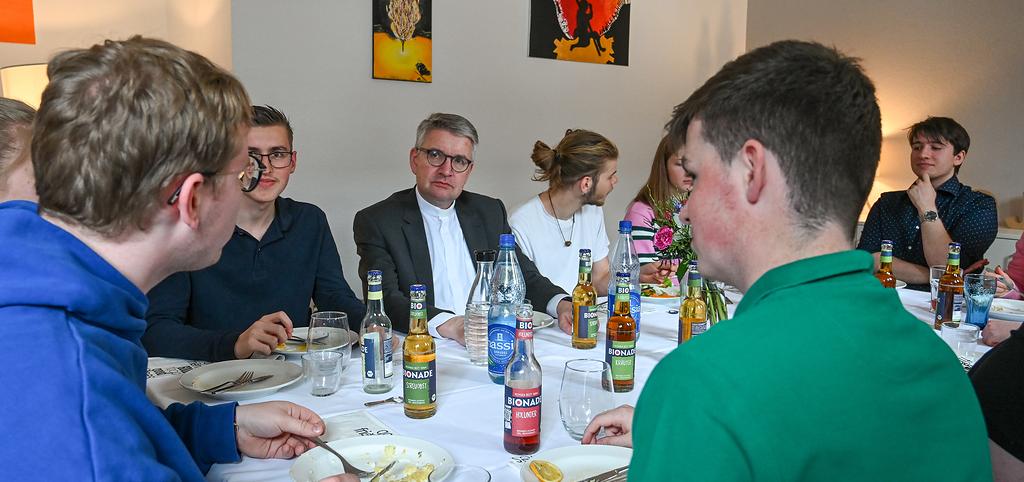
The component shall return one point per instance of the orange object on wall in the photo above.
(17, 24)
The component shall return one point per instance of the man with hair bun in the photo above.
(551, 228)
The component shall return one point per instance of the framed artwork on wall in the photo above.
(402, 40)
(595, 31)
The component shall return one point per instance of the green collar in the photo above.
(806, 271)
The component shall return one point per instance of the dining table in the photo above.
(469, 419)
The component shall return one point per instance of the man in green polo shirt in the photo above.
(821, 374)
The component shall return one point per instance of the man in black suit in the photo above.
(427, 234)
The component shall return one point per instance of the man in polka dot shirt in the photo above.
(936, 210)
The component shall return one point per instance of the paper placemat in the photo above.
(354, 424)
(181, 367)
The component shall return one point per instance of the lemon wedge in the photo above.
(546, 471)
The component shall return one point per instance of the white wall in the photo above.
(927, 57)
(312, 60)
(200, 25)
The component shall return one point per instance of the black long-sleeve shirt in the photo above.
(200, 314)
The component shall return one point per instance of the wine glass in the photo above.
(328, 330)
(583, 394)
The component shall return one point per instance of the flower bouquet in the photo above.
(673, 241)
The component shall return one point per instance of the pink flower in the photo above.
(663, 238)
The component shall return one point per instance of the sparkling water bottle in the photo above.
(508, 288)
(625, 260)
(477, 308)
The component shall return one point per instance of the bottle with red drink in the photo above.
(522, 390)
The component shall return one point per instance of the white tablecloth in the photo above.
(468, 422)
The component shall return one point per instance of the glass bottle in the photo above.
(620, 343)
(884, 273)
(950, 300)
(477, 308)
(624, 259)
(693, 311)
(419, 359)
(522, 390)
(584, 311)
(376, 336)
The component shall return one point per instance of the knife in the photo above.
(611, 475)
(232, 387)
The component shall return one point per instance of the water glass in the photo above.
(584, 394)
(328, 330)
(323, 369)
(961, 337)
(460, 473)
(476, 332)
(979, 291)
(934, 273)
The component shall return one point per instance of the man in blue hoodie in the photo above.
(139, 156)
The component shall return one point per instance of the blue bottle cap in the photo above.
(954, 244)
(418, 287)
(584, 251)
(507, 241)
(886, 241)
(625, 226)
(374, 272)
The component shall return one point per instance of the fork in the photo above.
(243, 383)
(376, 478)
(230, 383)
(349, 468)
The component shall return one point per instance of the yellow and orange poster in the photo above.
(595, 31)
(17, 24)
(402, 46)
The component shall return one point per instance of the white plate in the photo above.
(208, 376)
(660, 299)
(367, 453)
(293, 348)
(542, 320)
(580, 461)
(1011, 310)
(901, 284)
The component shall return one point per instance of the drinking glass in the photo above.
(328, 330)
(934, 273)
(323, 369)
(979, 290)
(961, 337)
(461, 473)
(583, 394)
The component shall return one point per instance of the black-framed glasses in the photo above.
(277, 159)
(437, 158)
(248, 179)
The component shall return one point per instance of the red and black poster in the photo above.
(595, 31)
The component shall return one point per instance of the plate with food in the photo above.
(575, 462)
(269, 376)
(1010, 310)
(651, 293)
(296, 345)
(414, 459)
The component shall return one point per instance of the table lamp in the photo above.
(24, 82)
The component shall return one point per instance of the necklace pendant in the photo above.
(568, 243)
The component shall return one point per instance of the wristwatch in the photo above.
(929, 216)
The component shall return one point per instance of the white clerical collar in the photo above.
(428, 209)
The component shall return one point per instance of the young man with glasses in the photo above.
(281, 255)
(76, 267)
(427, 234)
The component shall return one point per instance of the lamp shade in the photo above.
(24, 82)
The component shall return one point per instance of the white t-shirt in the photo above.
(537, 235)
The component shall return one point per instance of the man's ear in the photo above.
(586, 183)
(190, 198)
(412, 160)
(753, 156)
(959, 158)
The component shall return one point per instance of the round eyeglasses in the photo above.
(437, 158)
(277, 159)
(248, 179)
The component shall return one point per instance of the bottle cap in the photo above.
(418, 287)
(584, 251)
(886, 241)
(374, 272)
(485, 255)
(625, 226)
(507, 241)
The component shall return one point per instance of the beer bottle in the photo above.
(884, 273)
(693, 311)
(522, 390)
(420, 371)
(584, 311)
(950, 299)
(620, 343)
(375, 333)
